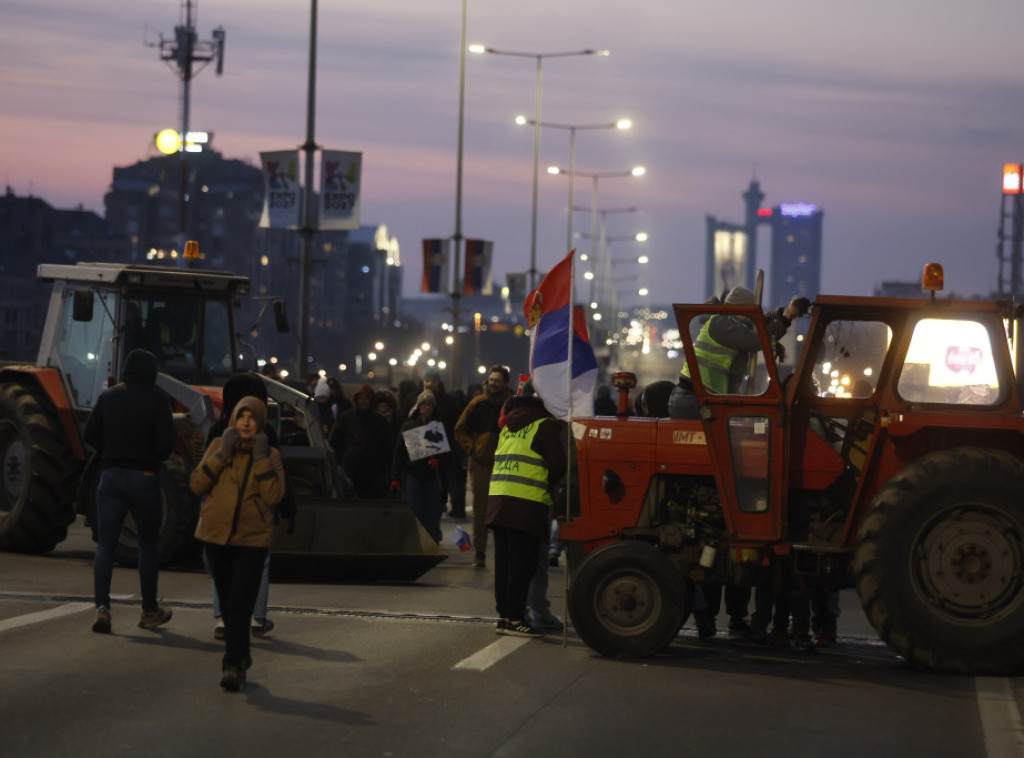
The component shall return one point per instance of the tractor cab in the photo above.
(100, 312)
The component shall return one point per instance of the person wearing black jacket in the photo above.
(132, 430)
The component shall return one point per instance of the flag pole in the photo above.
(568, 440)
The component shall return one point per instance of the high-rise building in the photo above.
(796, 253)
(794, 268)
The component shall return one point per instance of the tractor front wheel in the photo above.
(939, 562)
(628, 599)
(38, 469)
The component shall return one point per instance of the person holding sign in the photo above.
(420, 451)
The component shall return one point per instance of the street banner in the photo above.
(435, 265)
(517, 287)
(426, 441)
(477, 279)
(340, 178)
(282, 193)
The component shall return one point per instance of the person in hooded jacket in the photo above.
(132, 429)
(360, 439)
(241, 481)
(419, 479)
(235, 388)
(528, 464)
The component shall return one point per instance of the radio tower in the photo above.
(182, 53)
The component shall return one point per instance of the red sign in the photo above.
(963, 359)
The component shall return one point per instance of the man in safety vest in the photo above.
(528, 463)
(723, 347)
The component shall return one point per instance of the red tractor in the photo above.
(890, 459)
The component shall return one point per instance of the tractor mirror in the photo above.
(81, 308)
(280, 316)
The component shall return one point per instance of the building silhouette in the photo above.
(33, 232)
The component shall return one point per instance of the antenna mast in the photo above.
(181, 53)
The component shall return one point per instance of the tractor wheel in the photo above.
(177, 527)
(627, 599)
(939, 562)
(39, 472)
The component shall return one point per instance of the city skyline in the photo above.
(894, 120)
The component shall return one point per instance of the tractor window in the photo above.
(82, 349)
(217, 358)
(848, 358)
(729, 355)
(949, 361)
(749, 438)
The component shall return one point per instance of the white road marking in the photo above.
(1000, 718)
(34, 618)
(492, 654)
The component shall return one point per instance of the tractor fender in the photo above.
(49, 383)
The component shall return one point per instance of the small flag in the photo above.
(435, 265)
(477, 279)
(461, 538)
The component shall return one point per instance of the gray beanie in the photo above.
(740, 296)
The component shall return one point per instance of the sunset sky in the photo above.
(894, 117)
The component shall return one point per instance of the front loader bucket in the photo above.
(354, 541)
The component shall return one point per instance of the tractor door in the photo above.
(743, 421)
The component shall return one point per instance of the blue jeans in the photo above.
(120, 492)
(259, 611)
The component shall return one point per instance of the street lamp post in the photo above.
(595, 177)
(622, 123)
(539, 57)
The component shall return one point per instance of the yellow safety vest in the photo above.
(518, 470)
(713, 359)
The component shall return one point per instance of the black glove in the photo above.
(260, 446)
(228, 441)
(780, 352)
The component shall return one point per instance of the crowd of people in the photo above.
(420, 442)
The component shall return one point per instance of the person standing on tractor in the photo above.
(132, 429)
(723, 348)
(476, 431)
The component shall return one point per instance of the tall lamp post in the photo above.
(622, 123)
(595, 176)
(539, 57)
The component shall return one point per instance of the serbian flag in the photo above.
(554, 347)
(477, 279)
(435, 265)
(461, 539)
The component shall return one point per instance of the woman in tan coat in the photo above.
(240, 480)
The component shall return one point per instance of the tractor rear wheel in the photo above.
(939, 562)
(178, 524)
(628, 599)
(39, 472)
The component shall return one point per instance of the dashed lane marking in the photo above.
(491, 654)
(1000, 717)
(34, 618)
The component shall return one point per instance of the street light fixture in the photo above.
(622, 123)
(539, 57)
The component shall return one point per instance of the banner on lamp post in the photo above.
(435, 265)
(477, 279)
(340, 178)
(282, 193)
